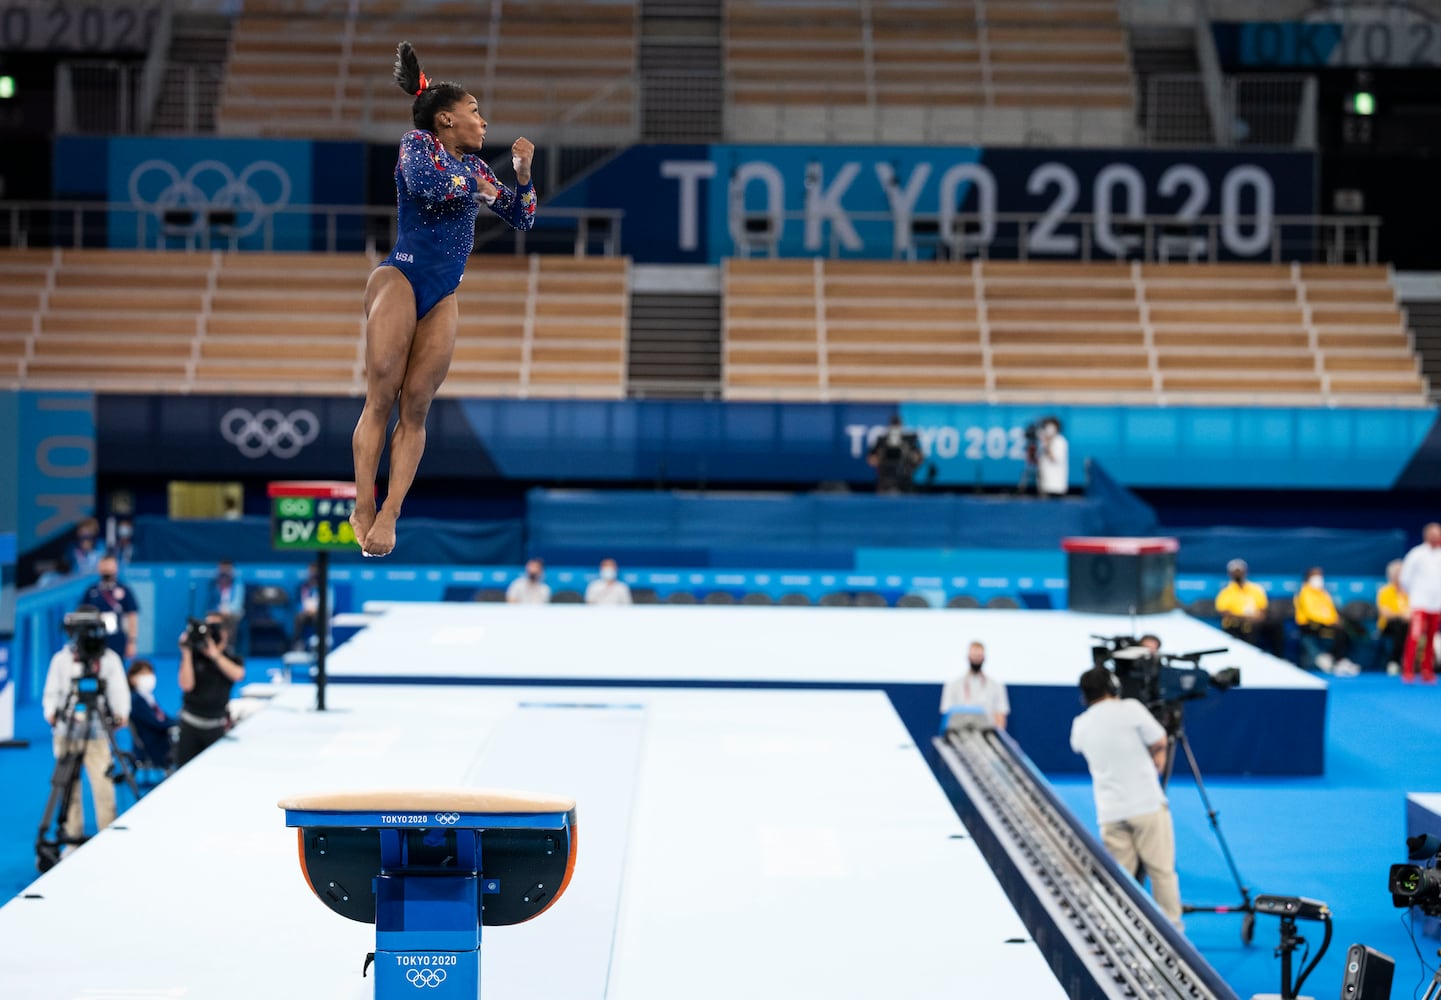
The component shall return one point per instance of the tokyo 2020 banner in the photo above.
(701, 204)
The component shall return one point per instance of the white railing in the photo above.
(371, 229)
(1332, 239)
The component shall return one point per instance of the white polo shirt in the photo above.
(523, 591)
(600, 591)
(1053, 471)
(1421, 578)
(976, 691)
(1114, 735)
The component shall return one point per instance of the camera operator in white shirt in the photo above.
(1125, 750)
(83, 732)
(1053, 460)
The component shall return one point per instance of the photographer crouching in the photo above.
(85, 692)
(208, 670)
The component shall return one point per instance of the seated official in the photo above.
(151, 725)
(974, 689)
(1321, 624)
(608, 588)
(1393, 617)
(530, 588)
(1242, 606)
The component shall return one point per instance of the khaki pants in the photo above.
(97, 766)
(1149, 840)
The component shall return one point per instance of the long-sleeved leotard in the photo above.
(438, 202)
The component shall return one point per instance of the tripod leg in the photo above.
(123, 771)
(64, 786)
(1248, 924)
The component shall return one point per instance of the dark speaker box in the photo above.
(1368, 974)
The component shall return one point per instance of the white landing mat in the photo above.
(758, 844)
(730, 645)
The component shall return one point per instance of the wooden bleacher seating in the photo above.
(293, 322)
(535, 67)
(840, 70)
(1033, 331)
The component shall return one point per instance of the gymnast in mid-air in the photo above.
(410, 306)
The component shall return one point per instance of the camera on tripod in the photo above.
(1157, 679)
(87, 631)
(1418, 884)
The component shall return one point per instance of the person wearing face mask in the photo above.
(1421, 580)
(118, 606)
(1320, 624)
(530, 588)
(1242, 606)
(149, 723)
(124, 548)
(1393, 618)
(227, 595)
(608, 588)
(88, 549)
(975, 690)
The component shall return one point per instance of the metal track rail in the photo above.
(1124, 945)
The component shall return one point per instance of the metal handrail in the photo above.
(1153, 237)
(149, 225)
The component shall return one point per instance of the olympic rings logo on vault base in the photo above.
(421, 978)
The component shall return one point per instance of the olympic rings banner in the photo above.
(236, 187)
(187, 192)
(646, 442)
(700, 204)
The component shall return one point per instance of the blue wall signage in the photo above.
(704, 203)
(247, 182)
(1355, 36)
(663, 441)
(54, 446)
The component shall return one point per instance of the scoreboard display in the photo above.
(311, 516)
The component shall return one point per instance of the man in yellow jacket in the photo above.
(1242, 606)
(1393, 617)
(1317, 618)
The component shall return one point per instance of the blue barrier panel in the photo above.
(657, 442)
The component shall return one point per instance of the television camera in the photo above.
(1160, 681)
(87, 631)
(1418, 884)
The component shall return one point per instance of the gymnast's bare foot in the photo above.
(361, 518)
(380, 539)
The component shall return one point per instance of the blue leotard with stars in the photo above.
(437, 199)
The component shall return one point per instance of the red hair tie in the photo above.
(423, 84)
